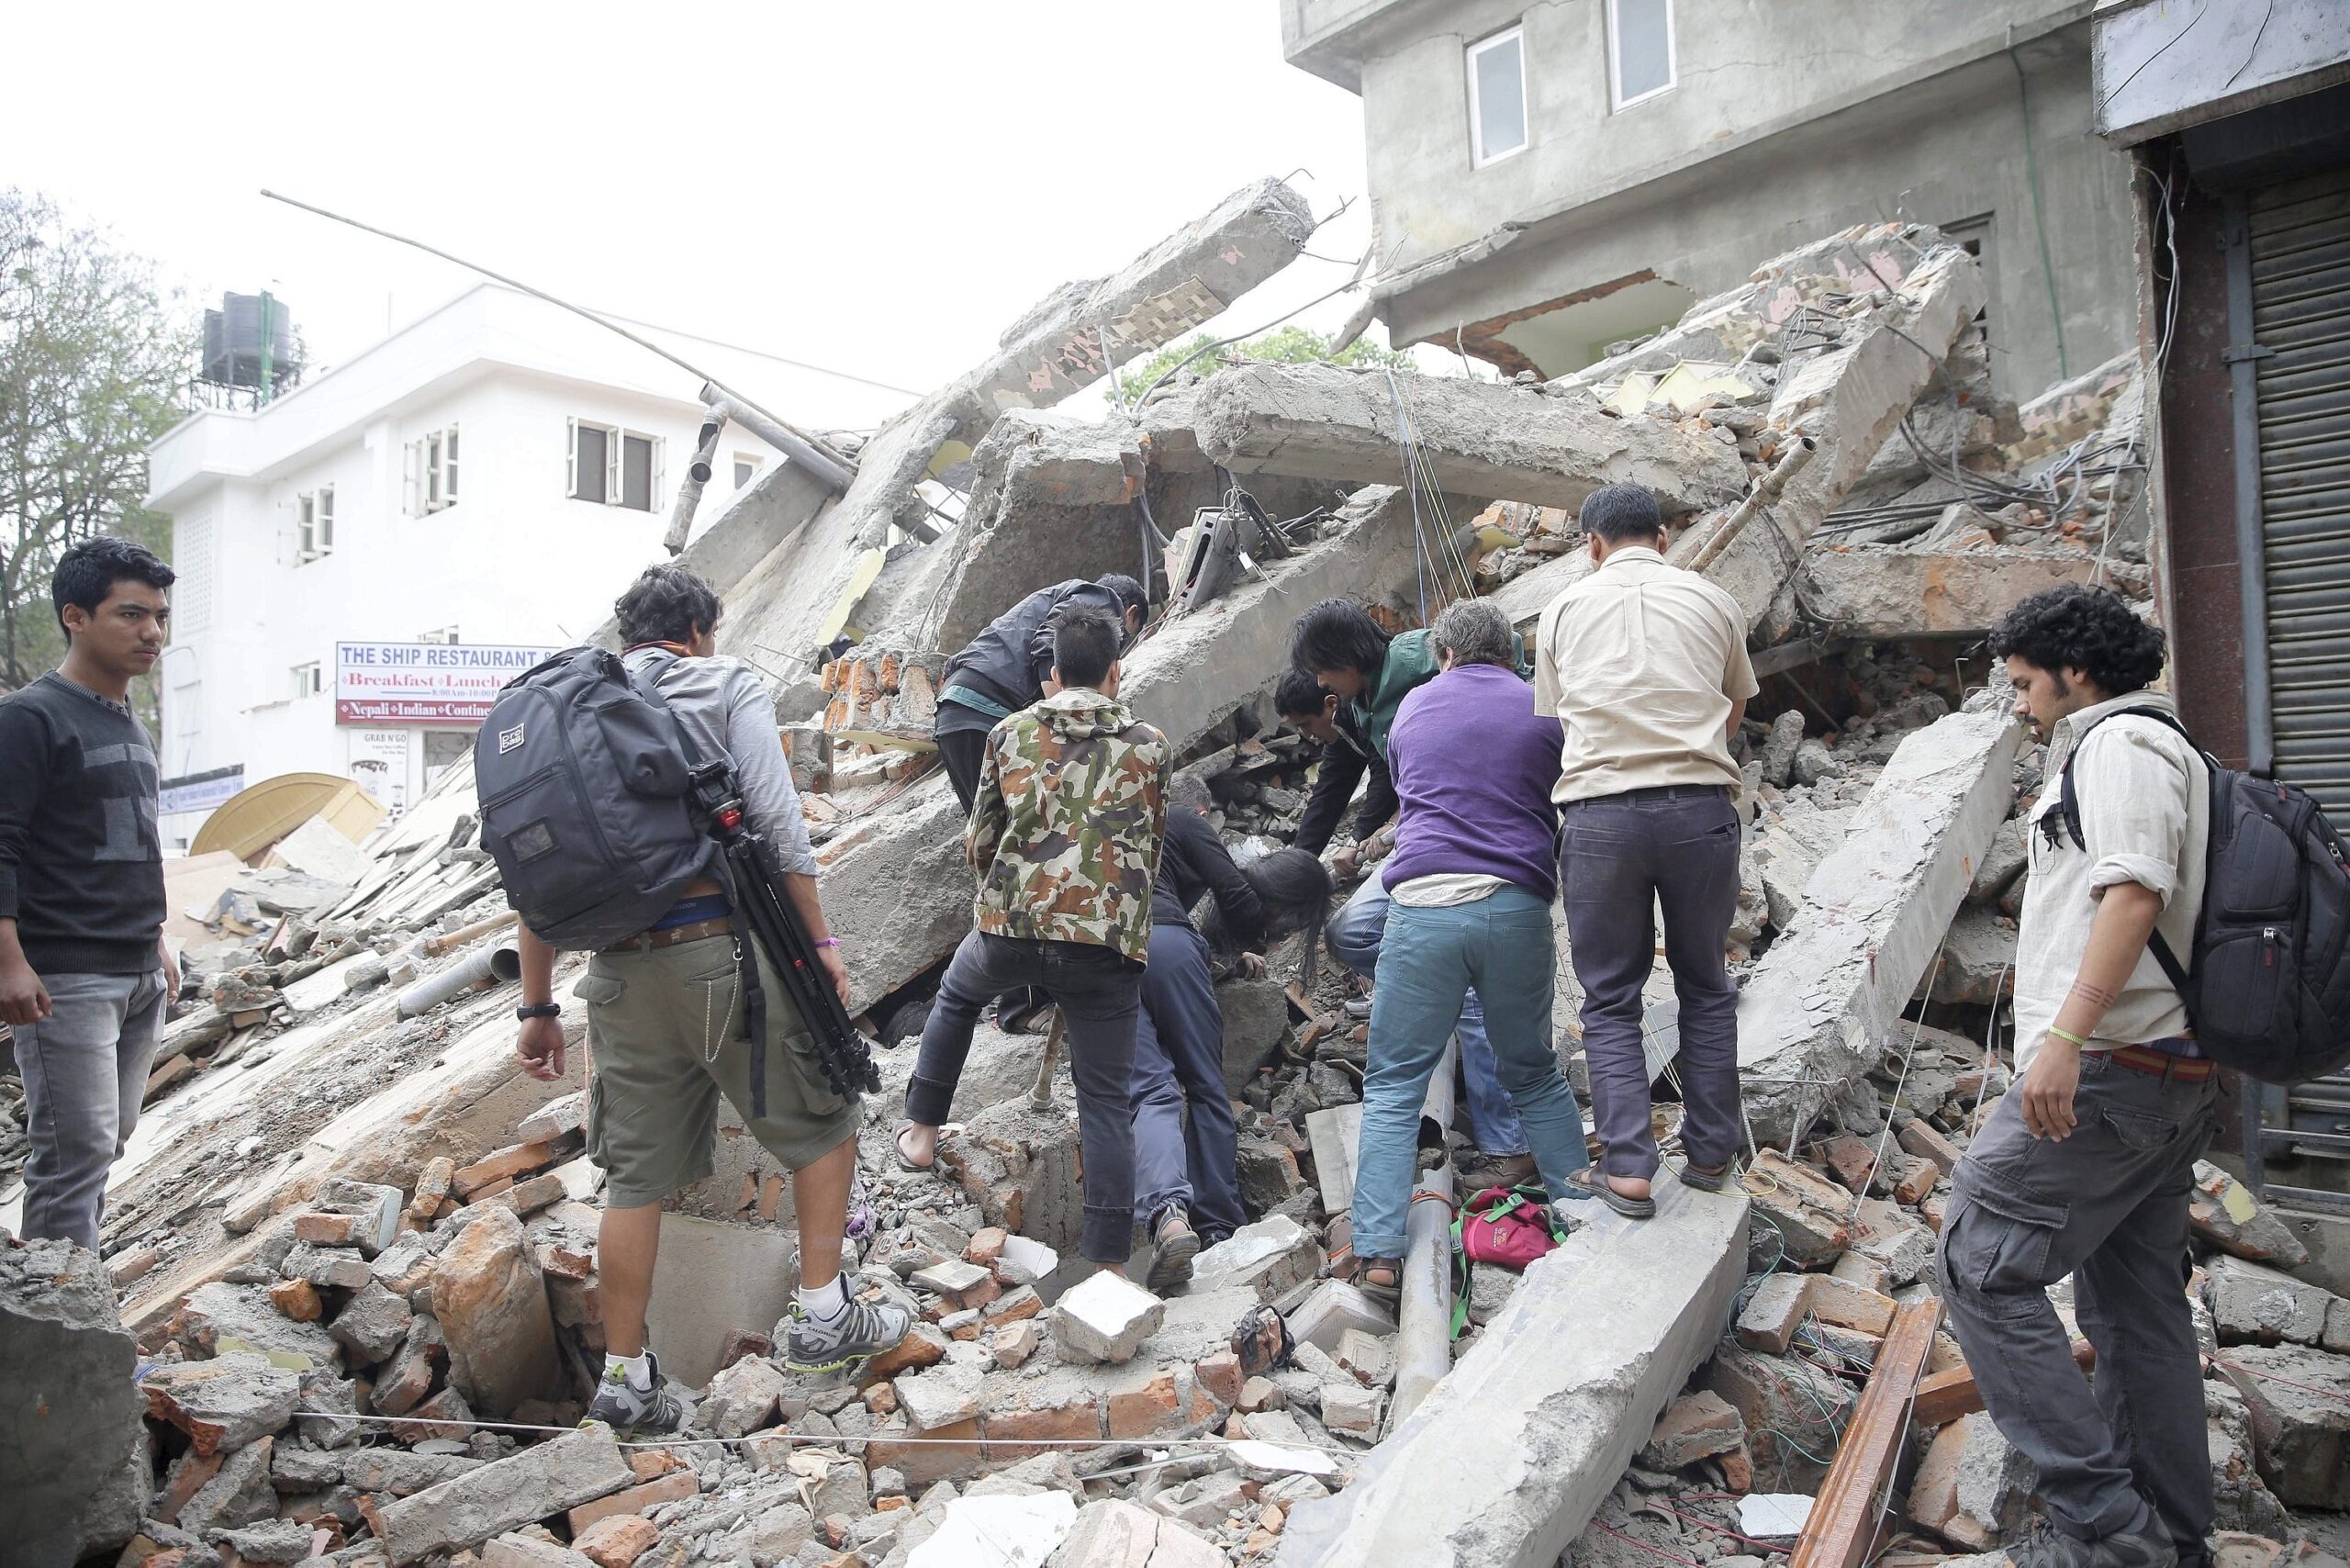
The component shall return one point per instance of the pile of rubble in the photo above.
(357, 1247)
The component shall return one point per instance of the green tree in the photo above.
(95, 361)
(1292, 344)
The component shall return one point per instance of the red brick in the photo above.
(190, 1474)
(925, 1346)
(1925, 1141)
(298, 1299)
(617, 1542)
(474, 1180)
(670, 1488)
(431, 1186)
(1011, 1306)
(567, 1262)
(649, 1463)
(987, 1246)
(1013, 1434)
(926, 1462)
(1151, 1408)
(327, 1230)
(741, 1343)
(446, 1406)
(1220, 1376)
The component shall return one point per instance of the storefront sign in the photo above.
(379, 766)
(422, 683)
(199, 792)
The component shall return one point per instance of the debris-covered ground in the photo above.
(355, 1245)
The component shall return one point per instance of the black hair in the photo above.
(1190, 790)
(87, 573)
(2088, 629)
(1130, 594)
(1618, 513)
(1085, 644)
(1298, 694)
(1293, 889)
(1338, 634)
(666, 604)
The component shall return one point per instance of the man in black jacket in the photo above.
(1004, 668)
(1188, 1170)
(84, 977)
(1315, 712)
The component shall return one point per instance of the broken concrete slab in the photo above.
(1897, 591)
(1825, 1000)
(491, 1302)
(2252, 1304)
(1113, 1533)
(1483, 439)
(69, 1410)
(1106, 1318)
(1506, 1462)
(224, 1403)
(533, 1484)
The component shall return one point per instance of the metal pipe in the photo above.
(1710, 550)
(681, 515)
(485, 968)
(2244, 356)
(819, 462)
(1424, 1317)
(434, 947)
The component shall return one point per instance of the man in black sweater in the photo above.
(84, 977)
(1188, 1170)
(1315, 712)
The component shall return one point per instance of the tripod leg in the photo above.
(1041, 1094)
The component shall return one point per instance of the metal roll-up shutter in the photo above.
(2299, 243)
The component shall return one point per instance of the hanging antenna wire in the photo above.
(816, 445)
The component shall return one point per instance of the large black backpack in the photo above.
(582, 778)
(2268, 987)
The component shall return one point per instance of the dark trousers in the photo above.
(1621, 858)
(1178, 1062)
(1098, 992)
(2108, 1205)
(962, 752)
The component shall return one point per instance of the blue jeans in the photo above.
(1353, 937)
(1179, 1061)
(1430, 960)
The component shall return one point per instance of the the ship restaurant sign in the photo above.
(423, 683)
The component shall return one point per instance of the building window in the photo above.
(746, 467)
(1498, 96)
(433, 472)
(310, 679)
(1640, 49)
(313, 525)
(613, 466)
(444, 635)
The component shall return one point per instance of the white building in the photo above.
(489, 477)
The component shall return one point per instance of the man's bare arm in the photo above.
(23, 999)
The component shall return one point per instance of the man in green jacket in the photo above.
(1371, 673)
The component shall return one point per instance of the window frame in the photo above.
(313, 525)
(756, 464)
(571, 486)
(1617, 102)
(310, 679)
(1478, 157)
(615, 465)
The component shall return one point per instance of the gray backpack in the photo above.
(582, 776)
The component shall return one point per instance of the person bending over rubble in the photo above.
(1065, 834)
(1645, 666)
(2086, 1165)
(1315, 712)
(659, 1011)
(1470, 888)
(1370, 673)
(84, 977)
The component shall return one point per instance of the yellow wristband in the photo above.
(2068, 1034)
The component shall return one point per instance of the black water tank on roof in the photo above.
(233, 341)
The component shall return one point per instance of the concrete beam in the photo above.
(1508, 1458)
(1826, 1001)
(1895, 591)
(896, 888)
(1484, 440)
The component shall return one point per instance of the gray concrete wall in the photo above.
(1790, 118)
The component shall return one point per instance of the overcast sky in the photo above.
(879, 186)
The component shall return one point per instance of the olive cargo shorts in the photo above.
(665, 1029)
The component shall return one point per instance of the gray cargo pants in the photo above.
(2108, 1205)
(84, 1068)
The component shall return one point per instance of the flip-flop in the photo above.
(1596, 1185)
(898, 1150)
(1713, 1180)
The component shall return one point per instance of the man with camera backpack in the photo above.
(666, 1014)
(2086, 1165)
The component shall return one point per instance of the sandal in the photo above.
(1715, 1180)
(898, 1149)
(1596, 1185)
(1390, 1295)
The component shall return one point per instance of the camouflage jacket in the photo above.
(1065, 831)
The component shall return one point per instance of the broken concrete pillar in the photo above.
(1484, 440)
(69, 1411)
(1895, 591)
(535, 1483)
(492, 1305)
(1505, 1463)
(1827, 999)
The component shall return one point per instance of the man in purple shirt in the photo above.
(1470, 888)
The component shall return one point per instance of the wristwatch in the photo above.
(540, 1010)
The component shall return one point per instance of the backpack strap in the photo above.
(2070, 811)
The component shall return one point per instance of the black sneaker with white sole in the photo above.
(625, 1408)
(864, 1329)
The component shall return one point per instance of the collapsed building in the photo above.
(354, 1243)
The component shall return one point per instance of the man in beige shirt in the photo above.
(1645, 665)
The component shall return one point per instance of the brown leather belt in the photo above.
(647, 941)
(2162, 1064)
